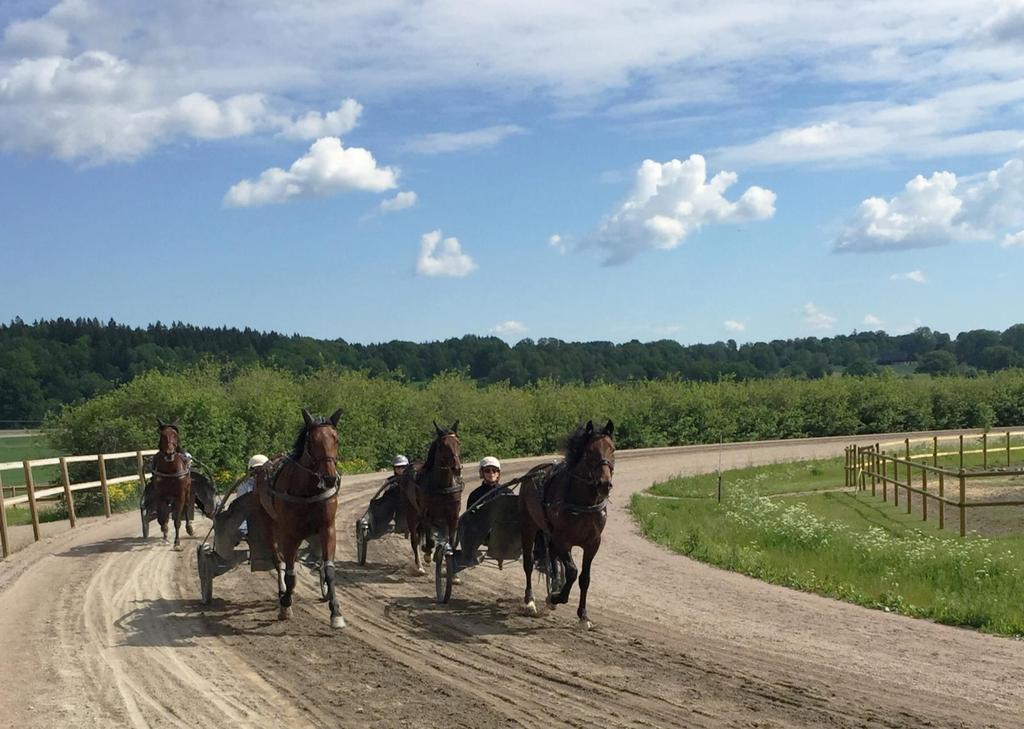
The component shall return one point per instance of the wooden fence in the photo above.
(32, 495)
(872, 467)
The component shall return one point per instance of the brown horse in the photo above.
(432, 493)
(171, 481)
(299, 501)
(569, 505)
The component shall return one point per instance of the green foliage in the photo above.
(847, 546)
(227, 414)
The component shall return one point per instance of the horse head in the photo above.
(168, 438)
(445, 453)
(595, 459)
(321, 447)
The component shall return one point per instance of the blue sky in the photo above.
(746, 170)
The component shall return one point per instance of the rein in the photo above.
(323, 494)
(179, 474)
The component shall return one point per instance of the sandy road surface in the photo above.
(99, 628)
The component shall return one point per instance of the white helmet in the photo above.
(257, 461)
(490, 462)
(400, 460)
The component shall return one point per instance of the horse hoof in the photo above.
(530, 608)
(427, 556)
(190, 530)
(284, 613)
(456, 580)
(585, 624)
(176, 548)
(550, 605)
(416, 570)
(337, 621)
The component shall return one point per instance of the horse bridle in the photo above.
(594, 483)
(455, 482)
(320, 478)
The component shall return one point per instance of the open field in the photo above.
(98, 612)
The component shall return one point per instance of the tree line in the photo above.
(48, 363)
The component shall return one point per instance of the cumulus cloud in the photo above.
(557, 243)
(937, 210)
(815, 318)
(508, 328)
(443, 142)
(442, 257)
(401, 201)
(669, 201)
(734, 326)
(313, 125)
(872, 321)
(916, 276)
(1012, 240)
(327, 168)
(97, 107)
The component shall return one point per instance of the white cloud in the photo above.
(443, 142)
(557, 243)
(442, 257)
(814, 318)
(734, 326)
(669, 202)
(327, 168)
(36, 37)
(314, 125)
(916, 276)
(1012, 240)
(509, 328)
(873, 321)
(401, 201)
(938, 210)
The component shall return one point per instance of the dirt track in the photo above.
(101, 629)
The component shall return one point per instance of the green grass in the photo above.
(27, 447)
(841, 544)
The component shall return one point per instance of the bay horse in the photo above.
(300, 501)
(568, 505)
(432, 493)
(171, 482)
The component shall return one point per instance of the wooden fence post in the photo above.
(68, 494)
(910, 479)
(3, 522)
(874, 469)
(846, 467)
(961, 451)
(31, 489)
(1007, 448)
(942, 500)
(103, 484)
(984, 451)
(895, 480)
(924, 496)
(935, 451)
(963, 501)
(885, 478)
(141, 465)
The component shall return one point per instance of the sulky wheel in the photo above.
(205, 574)
(444, 572)
(145, 521)
(361, 543)
(323, 579)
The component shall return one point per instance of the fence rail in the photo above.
(66, 487)
(871, 467)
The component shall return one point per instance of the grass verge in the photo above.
(841, 544)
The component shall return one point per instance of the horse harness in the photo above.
(322, 495)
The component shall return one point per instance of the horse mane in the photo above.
(577, 442)
(432, 453)
(299, 447)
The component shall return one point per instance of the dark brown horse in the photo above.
(568, 504)
(171, 481)
(432, 493)
(299, 501)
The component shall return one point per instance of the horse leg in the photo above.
(163, 513)
(563, 555)
(190, 511)
(412, 521)
(327, 545)
(589, 552)
(176, 511)
(289, 549)
(453, 524)
(529, 536)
